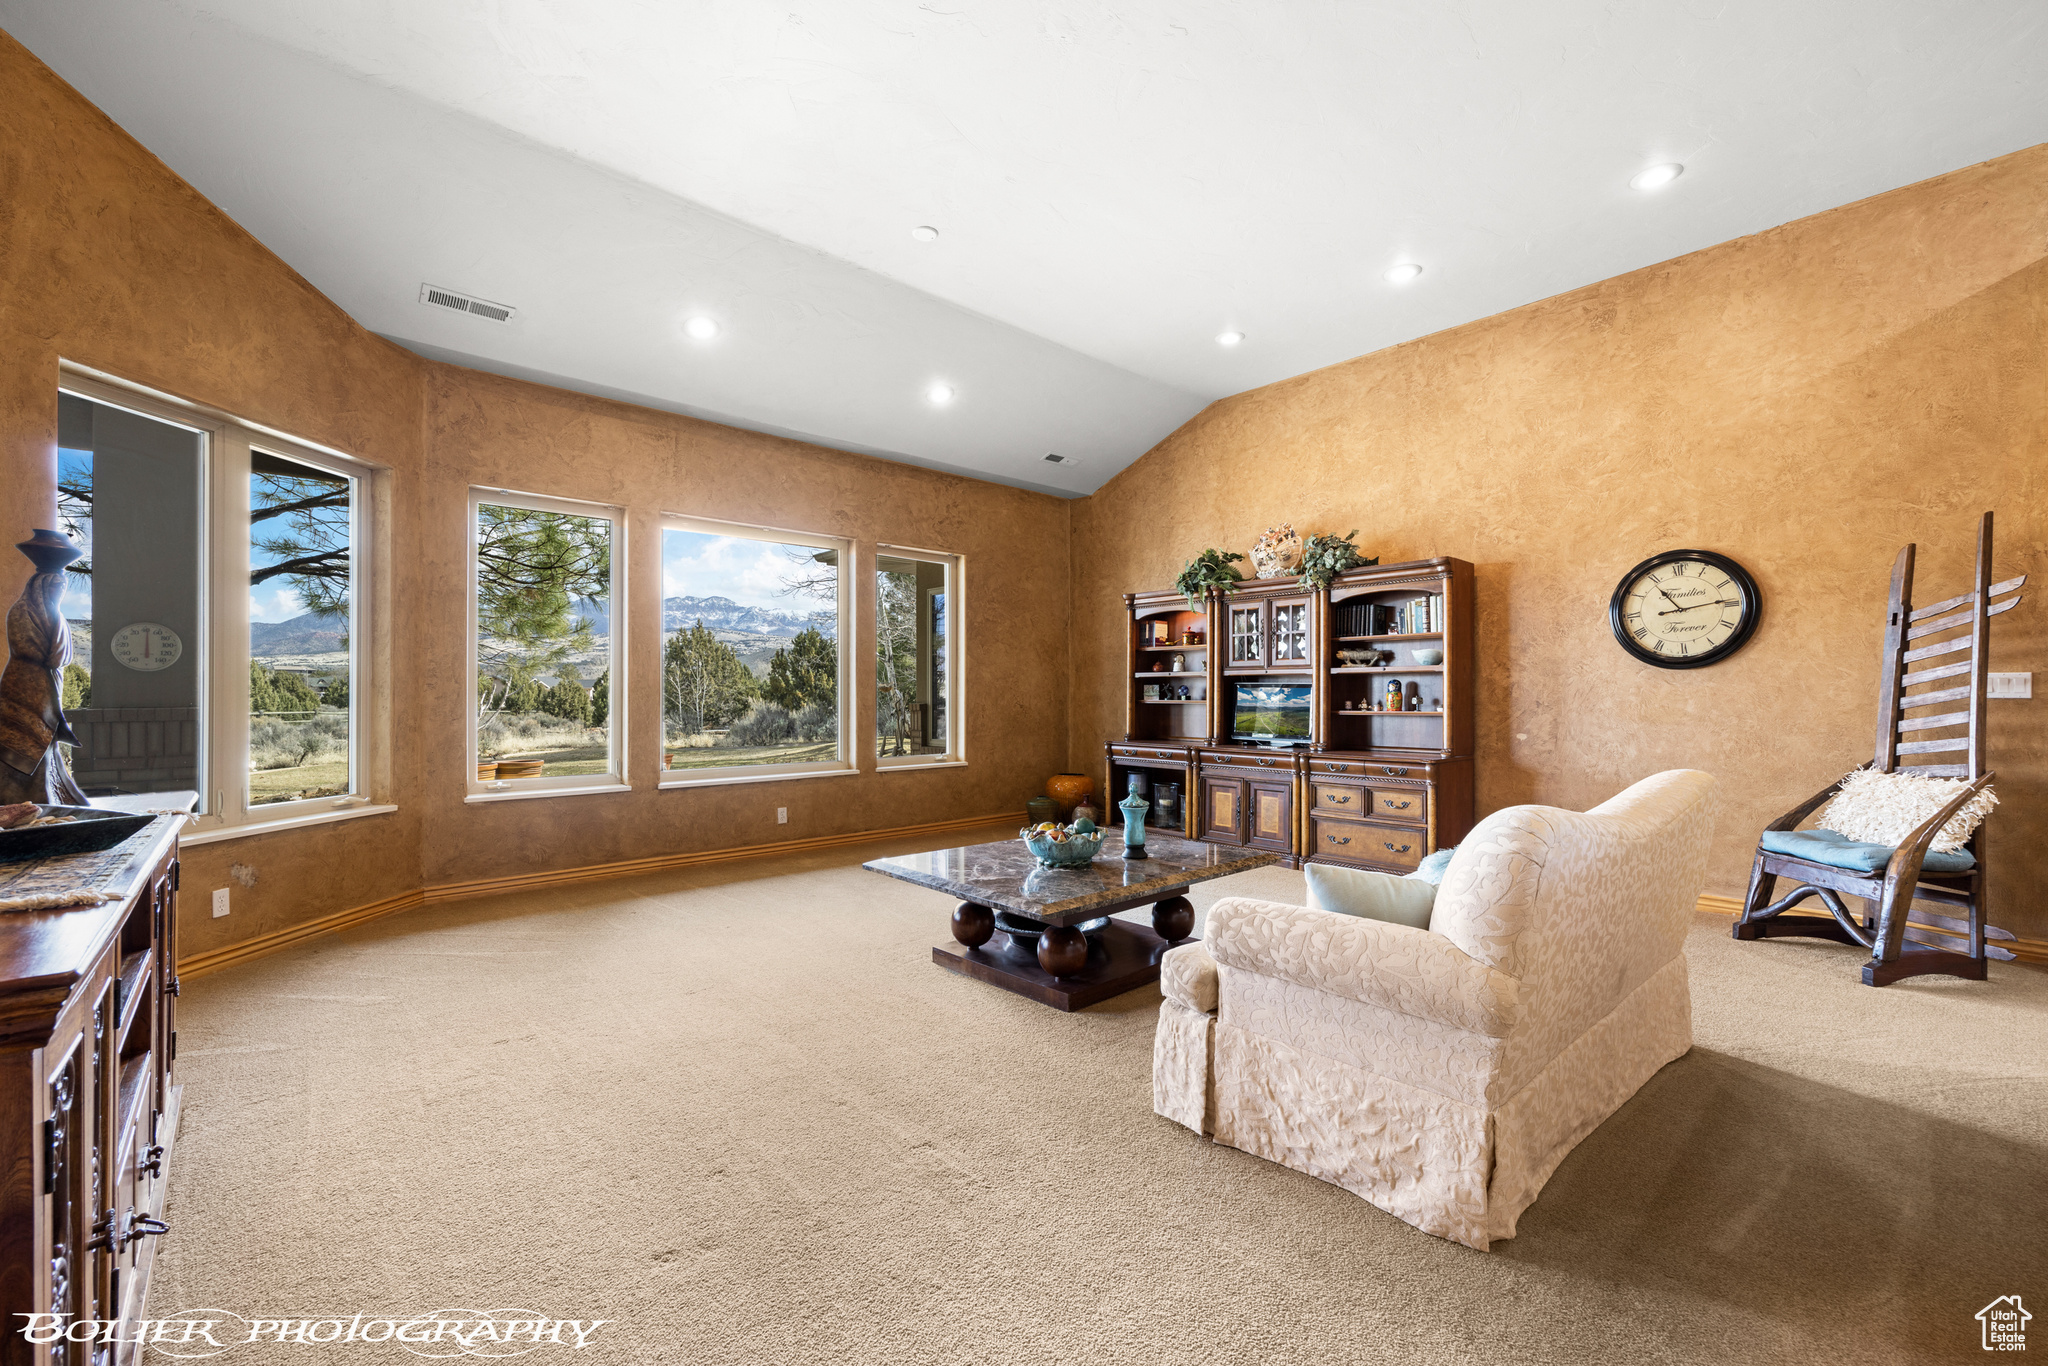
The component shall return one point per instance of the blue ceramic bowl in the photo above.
(1078, 850)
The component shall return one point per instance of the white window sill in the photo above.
(728, 779)
(523, 794)
(235, 832)
(916, 765)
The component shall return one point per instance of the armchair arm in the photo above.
(1903, 870)
(1188, 975)
(1790, 820)
(1395, 967)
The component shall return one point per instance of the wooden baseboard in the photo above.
(2023, 950)
(215, 959)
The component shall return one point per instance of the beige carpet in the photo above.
(739, 1113)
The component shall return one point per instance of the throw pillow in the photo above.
(1431, 869)
(1884, 808)
(1375, 896)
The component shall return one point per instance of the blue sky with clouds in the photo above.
(696, 564)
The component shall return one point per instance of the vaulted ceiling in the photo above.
(1114, 185)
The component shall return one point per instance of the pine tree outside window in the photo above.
(754, 624)
(546, 575)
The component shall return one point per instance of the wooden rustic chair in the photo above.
(1898, 948)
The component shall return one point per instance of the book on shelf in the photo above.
(1415, 617)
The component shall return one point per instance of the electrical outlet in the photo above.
(782, 815)
(2010, 685)
(220, 903)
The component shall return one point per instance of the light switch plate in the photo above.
(782, 815)
(220, 902)
(2011, 685)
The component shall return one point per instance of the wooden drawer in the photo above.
(1401, 804)
(1390, 846)
(1342, 799)
(1167, 753)
(1250, 764)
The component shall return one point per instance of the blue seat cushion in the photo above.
(1839, 851)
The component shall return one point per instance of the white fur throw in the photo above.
(1884, 808)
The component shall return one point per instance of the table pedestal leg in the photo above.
(973, 923)
(1173, 919)
(1062, 950)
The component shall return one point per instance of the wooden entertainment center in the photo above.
(1367, 786)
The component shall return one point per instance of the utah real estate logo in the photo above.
(2005, 1324)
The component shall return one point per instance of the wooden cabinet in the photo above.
(88, 1102)
(1268, 631)
(1379, 783)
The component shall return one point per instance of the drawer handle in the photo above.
(1393, 772)
(1337, 768)
(1399, 848)
(1345, 839)
(152, 1161)
(1392, 805)
(1265, 763)
(1338, 799)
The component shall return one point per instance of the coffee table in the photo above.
(1046, 933)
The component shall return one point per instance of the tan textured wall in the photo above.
(109, 260)
(503, 433)
(1806, 401)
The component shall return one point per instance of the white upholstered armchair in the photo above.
(1444, 1073)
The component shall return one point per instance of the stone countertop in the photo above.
(1006, 877)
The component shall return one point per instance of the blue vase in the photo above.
(1134, 808)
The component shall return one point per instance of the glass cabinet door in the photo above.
(1245, 644)
(1290, 631)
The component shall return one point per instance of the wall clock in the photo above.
(146, 647)
(1684, 609)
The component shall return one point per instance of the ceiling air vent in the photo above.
(1052, 459)
(463, 303)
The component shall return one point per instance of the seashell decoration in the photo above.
(1277, 554)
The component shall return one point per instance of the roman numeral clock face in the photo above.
(1684, 609)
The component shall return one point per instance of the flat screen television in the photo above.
(1271, 712)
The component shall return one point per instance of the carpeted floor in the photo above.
(737, 1112)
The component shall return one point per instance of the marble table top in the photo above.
(1006, 877)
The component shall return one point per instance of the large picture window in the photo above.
(917, 657)
(216, 616)
(753, 625)
(548, 713)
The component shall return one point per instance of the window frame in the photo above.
(848, 760)
(617, 777)
(224, 810)
(955, 755)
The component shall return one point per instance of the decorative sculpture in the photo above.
(32, 687)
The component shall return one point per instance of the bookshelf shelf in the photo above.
(1390, 713)
(1168, 673)
(1413, 635)
(1387, 669)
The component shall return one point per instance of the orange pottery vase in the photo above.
(1069, 790)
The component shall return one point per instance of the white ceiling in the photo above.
(1114, 184)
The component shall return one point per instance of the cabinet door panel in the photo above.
(1270, 807)
(1223, 810)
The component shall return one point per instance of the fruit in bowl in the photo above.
(1068, 846)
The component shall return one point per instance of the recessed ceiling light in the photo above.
(703, 329)
(1229, 338)
(1402, 274)
(924, 233)
(1657, 176)
(940, 394)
